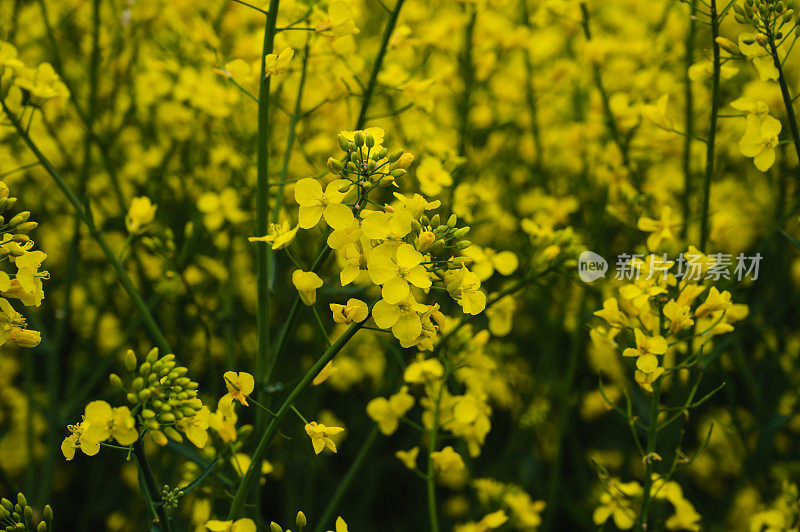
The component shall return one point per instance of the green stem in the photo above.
(264, 354)
(652, 433)
(253, 471)
(712, 133)
(152, 487)
(430, 480)
(468, 75)
(689, 121)
(376, 67)
(787, 98)
(333, 504)
(86, 218)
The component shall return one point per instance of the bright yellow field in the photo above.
(399, 265)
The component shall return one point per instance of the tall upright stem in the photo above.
(787, 97)
(264, 355)
(712, 128)
(689, 122)
(150, 484)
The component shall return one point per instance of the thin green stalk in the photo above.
(376, 67)
(468, 75)
(652, 434)
(608, 114)
(333, 504)
(86, 217)
(152, 487)
(430, 480)
(787, 98)
(58, 353)
(530, 96)
(264, 354)
(712, 132)
(689, 117)
(254, 470)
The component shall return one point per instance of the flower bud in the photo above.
(464, 244)
(358, 139)
(301, 520)
(19, 218)
(173, 434)
(452, 221)
(369, 141)
(461, 233)
(405, 160)
(41, 527)
(7, 504)
(344, 144)
(425, 241)
(27, 227)
(397, 172)
(275, 527)
(48, 513)
(115, 381)
(335, 165)
(396, 155)
(435, 220)
(28, 513)
(728, 45)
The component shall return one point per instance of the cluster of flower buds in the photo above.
(14, 240)
(367, 162)
(170, 497)
(767, 15)
(441, 240)
(162, 390)
(20, 516)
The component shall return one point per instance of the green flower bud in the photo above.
(115, 381)
(369, 141)
(452, 221)
(48, 513)
(132, 398)
(19, 218)
(152, 356)
(301, 520)
(151, 424)
(28, 512)
(7, 504)
(137, 384)
(145, 368)
(435, 220)
(335, 165)
(344, 144)
(21, 500)
(275, 527)
(148, 414)
(41, 527)
(4, 514)
(27, 227)
(462, 232)
(173, 434)
(145, 394)
(464, 244)
(396, 155)
(130, 360)
(398, 172)
(358, 138)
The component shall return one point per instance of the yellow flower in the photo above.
(306, 284)
(42, 83)
(612, 314)
(714, 302)
(277, 63)
(387, 412)
(320, 436)
(760, 139)
(278, 235)
(140, 214)
(103, 422)
(79, 440)
(240, 385)
(679, 316)
(340, 21)
(423, 370)
(658, 113)
(240, 525)
(316, 204)
(395, 267)
(433, 177)
(196, 427)
(403, 318)
(223, 421)
(660, 229)
(355, 311)
(465, 287)
(617, 503)
(409, 457)
(647, 347)
(751, 46)
(29, 278)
